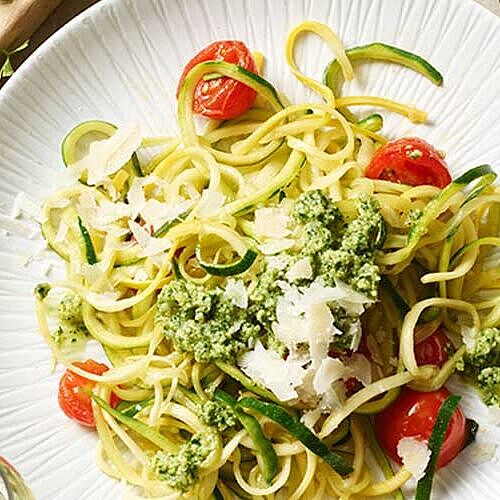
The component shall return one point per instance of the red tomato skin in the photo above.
(222, 98)
(413, 414)
(73, 400)
(433, 350)
(411, 161)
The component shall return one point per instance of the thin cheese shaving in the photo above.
(415, 455)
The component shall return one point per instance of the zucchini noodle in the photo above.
(204, 194)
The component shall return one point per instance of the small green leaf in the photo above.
(6, 70)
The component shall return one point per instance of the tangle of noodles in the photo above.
(221, 177)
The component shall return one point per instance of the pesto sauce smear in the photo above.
(481, 365)
(180, 470)
(208, 322)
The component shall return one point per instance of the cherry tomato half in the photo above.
(222, 98)
(413, 414)
(433, 350)
(74, 400)
(410, 161)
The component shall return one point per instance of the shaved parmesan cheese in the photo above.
(108, 156)
(276, 262)
(302, 269)
(269, 369)
(136, 198)
(303, 317)
(140, 234)
(236, 292)
(62, 231)
(353, 302)
(360, 368)
(156, 213)
(329, 371)
(309, 418)
(271, 223)
(272, 247)
(210, 204)
(24, 204)
(355, 332)
(469, 336)
(415, 455)
(150, 246)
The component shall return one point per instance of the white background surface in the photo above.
(120, 61)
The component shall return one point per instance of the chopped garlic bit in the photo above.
(415, 455)
(236, 292)
(268, 368)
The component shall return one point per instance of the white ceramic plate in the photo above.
(120, 61)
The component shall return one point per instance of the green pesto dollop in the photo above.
(180, 470)
(216, 415)
(71, 333)
(204, 322)
(207, 323)
(482, 365)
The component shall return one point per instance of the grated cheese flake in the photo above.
(415, 455)
(281, 376)
(107, 156)
(236, 292)
(271, 222)
(302, 269)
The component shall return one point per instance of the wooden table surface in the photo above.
(68, 9)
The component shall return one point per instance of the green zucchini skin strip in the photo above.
(237, 267)
(165, 228)
(488, 240)
(299, 431)
(257, 83)
(373, 122)
(87, 243)
(69, 143)
(424, 485)
(270, 464)
(380, 458)
(286, 175)
(136, 165)
(383, 52)
(483, 172)
(137, 426)
(403, 308)
(246, 382)
(217, 495)
(132, 408)
(96, 127)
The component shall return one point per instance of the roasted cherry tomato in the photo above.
(413, 414)
(222, 98)
(409, 161)
(433, 350)
(74, 399)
